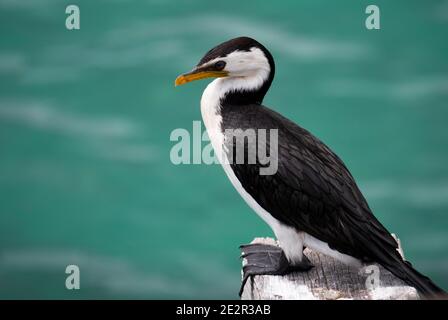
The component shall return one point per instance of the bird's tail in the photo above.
(387, 252)
(425, 287)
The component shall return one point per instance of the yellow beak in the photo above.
(198, 74)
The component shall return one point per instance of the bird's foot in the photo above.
(264, 259)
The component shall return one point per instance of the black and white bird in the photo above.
(312, 199)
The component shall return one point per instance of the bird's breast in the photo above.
(210, 111)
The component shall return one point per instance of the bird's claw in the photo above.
(261, 259)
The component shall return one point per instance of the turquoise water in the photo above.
(86, 115)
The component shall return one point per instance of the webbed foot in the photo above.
(260, 259)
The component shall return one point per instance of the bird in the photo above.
(311, 200)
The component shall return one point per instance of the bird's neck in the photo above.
(234, 91)
(230, 92)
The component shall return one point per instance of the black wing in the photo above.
(312, 189)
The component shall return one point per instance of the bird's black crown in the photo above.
(240, 44)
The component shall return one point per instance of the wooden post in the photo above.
(328, 280)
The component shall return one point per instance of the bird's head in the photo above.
(243, 61)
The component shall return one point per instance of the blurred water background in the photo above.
(85, 120)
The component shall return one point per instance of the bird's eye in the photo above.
(220, 65)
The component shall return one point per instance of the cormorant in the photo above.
(311, 200)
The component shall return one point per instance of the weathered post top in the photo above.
(328, 280)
